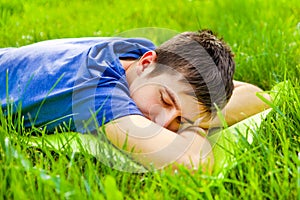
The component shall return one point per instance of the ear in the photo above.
(145, 61)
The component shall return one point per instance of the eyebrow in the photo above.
(172, 96)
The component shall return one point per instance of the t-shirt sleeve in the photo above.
(112, 99)
(101, 93)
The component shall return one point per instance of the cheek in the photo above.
(145, 98)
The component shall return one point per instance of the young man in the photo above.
(156, 100)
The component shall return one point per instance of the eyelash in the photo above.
(178, 119)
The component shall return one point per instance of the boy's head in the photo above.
(189, 68)
(205, 61)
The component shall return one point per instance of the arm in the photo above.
(242, 104)
(153, 145)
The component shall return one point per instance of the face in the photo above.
(164, 100)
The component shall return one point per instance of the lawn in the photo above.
(265, 37)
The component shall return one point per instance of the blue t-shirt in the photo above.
(80, 82)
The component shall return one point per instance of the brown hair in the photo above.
(205, 61)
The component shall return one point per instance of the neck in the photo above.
(127, 63)
(129, 66)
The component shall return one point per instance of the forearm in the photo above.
(242, 104)
(152, 145)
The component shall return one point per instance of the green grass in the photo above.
(265, 36)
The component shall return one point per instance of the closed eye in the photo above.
(164, 99)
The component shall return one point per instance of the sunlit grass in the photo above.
(265, 36)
